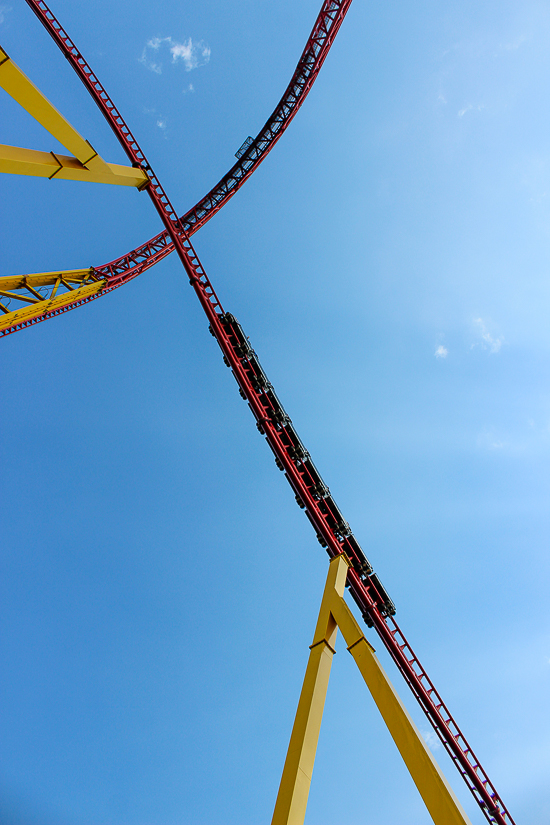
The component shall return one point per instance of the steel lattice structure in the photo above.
(109, 276)
(310, 491)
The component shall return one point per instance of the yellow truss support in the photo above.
(86, 163)
(290, 807)
(73, 280)
(72, 276)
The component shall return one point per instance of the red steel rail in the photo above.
(129, 266)
(291, 456)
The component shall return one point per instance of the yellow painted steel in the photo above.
(72, 276)
(290, 808)
(23, 90)
(16, 161)
(86, 163)
(291, 804)
(48, 304)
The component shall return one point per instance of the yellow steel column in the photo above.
(23, 90)
(442, 804)
(86, 163)
(290, 807)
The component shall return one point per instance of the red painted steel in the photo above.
(292, 457)
(376, 607)
(129, 266)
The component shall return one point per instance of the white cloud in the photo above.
(487, 440)
(191, 54)
(441, 352)
(160, 121)
(514, 45)
(431, 739)
(3, 11)
(487, 340)
(469, 107)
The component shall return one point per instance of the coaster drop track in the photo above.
(311, 493)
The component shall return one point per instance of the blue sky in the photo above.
(389, 261)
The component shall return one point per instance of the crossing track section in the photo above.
(114, 274)
(291, 456)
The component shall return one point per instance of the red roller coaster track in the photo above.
(129, 266)
(272, 421)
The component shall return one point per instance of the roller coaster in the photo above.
(38, 297)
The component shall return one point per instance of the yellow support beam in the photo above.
(23, 90)
(291, 804)
(86, 163)
(290, 807)
(26, 313)
(16, 161)
(72, 276)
